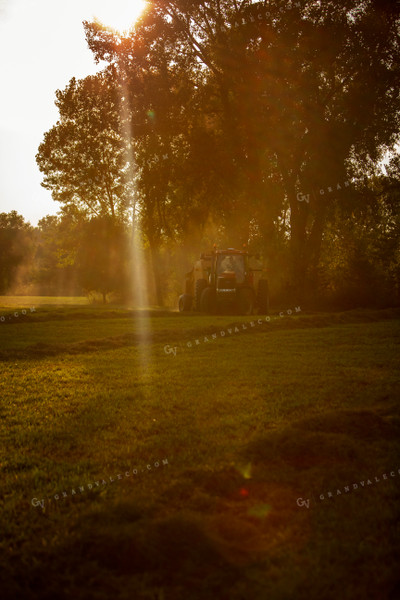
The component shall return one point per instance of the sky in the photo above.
(42, 45)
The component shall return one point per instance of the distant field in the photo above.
(28, 301)
(247, 423)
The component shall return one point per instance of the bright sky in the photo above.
(42, 45)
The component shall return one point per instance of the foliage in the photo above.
(54, 270)
(103, 256)
(360, 251)
(83, 156)
(276, 87)
(212, 117)
(16, 242)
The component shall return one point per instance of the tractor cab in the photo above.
(231, 264)
(230, 271)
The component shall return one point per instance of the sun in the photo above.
(119, 14)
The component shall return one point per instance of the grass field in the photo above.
(130, 472)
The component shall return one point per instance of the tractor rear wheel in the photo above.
(201, 285)
(263, 297)
(246, 301)
(208, 302)
(185, 303)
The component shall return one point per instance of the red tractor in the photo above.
(226, 280)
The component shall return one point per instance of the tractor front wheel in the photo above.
(246, 301)
(201, 285)
(263, 297)
(185, 303)
(208, 302)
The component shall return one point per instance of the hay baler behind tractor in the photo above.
(224, 280)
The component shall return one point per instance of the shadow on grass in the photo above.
(327, 439)
(129, 547)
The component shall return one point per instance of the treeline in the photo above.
(102, 257)
(64, 256)
(236, 122)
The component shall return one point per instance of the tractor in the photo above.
(226, 280)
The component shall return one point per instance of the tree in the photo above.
(16, 242)
(304, 90)
(160, 122)
(103, 256)
(54, 269)
(83, 157)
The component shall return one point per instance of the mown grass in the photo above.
(248, 423)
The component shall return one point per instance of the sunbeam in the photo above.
(140, 290)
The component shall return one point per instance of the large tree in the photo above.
(303, 90)
(164, 123)
(83, 157)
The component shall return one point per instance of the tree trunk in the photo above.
(305, 249)
(315, 240)
(155, 263)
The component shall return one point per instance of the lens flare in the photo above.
(245, 470)
(260, 511)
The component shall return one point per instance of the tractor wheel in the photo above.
(201, 285)
(263, 297)
(185, 303)
(208, 301)
(246, 301)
